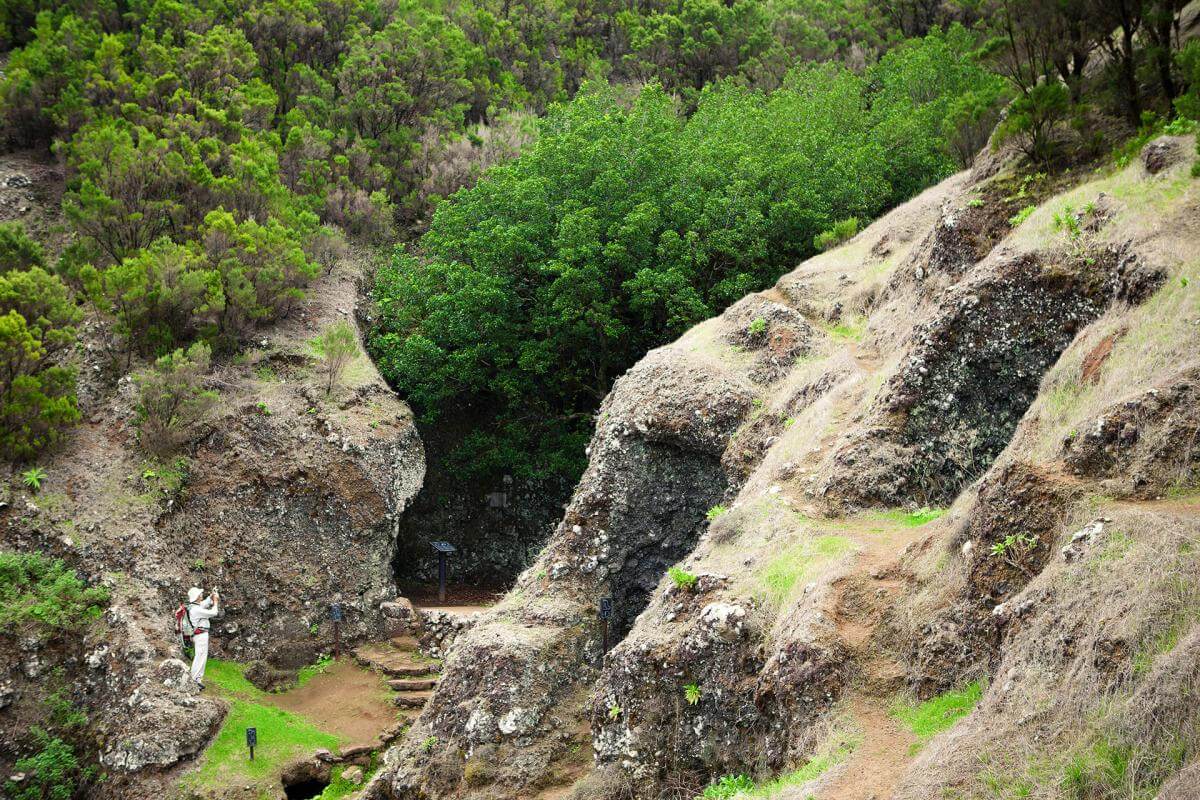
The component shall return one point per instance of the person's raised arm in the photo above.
(205, 610)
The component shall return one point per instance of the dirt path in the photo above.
(452, 609)
(861, 599)
(345, 700)
(878, 762)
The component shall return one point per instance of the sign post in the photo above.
(335, 615)
(605, 615)
(443, 549)
(251, 740)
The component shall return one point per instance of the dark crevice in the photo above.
(665, 523)
(305, 788)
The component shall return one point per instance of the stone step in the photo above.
(394, 662)
(412, 684)
(405, 643)
(412, 699)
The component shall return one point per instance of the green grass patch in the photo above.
(282, 736)
(339, 787)
(910, 519)
(851, 330)
(742, 787)
(780, 576)
(1109, 769)
(938, 714)
(1164, 641)
(1022, 215)
(230, 677)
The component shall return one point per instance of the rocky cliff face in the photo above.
(776, 455)
(287, 500)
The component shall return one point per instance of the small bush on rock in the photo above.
(33, 478)
(172, 399)
(682, 578)
(52, 773)
(715, 512)
(337, 347)
(840, 232)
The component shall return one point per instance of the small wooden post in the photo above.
(441, 577)
(605, 614)
(335, 614)
(443, 549)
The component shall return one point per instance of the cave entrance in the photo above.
(304, 787)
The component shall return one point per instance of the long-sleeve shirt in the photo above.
(202, 612)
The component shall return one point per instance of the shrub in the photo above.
(124, 187)
(17, 250)
(40, 89)
(39, 594)
(970, 120)
(1033, 119)
(337, 346)
(691, 693)
(728, 787)
(537, 286)
(1022, 215)
(1188, 103)
(33, 478)
(37, 397)
(682, 578)
(262, 267)
(839, 233)
(172, 399)
(1013, 549)
(326, 247)
(52, 773)
(161, 296)
(715, 512)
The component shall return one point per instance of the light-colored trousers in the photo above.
(200, 659)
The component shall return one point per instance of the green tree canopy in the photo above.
(626, 223)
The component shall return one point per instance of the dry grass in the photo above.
(1161, 216)
(1094, 699)
(1163, 339)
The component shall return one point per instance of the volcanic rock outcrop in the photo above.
(780, 458)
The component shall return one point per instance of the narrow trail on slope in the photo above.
(862, 597)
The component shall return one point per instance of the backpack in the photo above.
(184, 628)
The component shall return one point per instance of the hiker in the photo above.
(199, 613)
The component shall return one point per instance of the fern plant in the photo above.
(682, 578)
